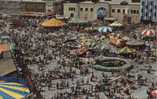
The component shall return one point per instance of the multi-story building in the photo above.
(86, 10)
(54, 6)
(23, 7)
(123, 10)
(126, 11)
(149, 10)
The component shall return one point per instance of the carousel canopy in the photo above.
(105, 29)
(53, 23)
(116, 24)
(150, 32)
(12, 90)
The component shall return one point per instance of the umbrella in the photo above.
(12, 90)
(105, 29)
(53, 23)
(149, 33)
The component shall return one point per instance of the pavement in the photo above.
(7, 65)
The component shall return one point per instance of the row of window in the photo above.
(133, 1)
(71, 9)
(86, 9)
(150, 14)
(81, 9)
(125, 11)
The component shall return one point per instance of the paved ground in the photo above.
(6, 65)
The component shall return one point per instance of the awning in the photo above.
(13, 90)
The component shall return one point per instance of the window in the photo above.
(113, 10)
(137, 11)
(86, 9)
(81, 9)
(135, 1)
(123, 11)
(155, 14)
(151, 10)
(143, 3)
(118, 10)
(146, 14)
(151, 3)
(71, 9)
(132, 11)
(72, 15)
(146, 6)
(142, 10)
(91, 9)
(155, 7)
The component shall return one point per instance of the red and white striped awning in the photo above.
(150, 32)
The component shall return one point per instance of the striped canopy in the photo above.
(12, 90)
(150, 32)
(105, 29)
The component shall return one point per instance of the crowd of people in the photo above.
(44, 57)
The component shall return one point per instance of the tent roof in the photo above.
(53, 23)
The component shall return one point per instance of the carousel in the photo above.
(52, 23)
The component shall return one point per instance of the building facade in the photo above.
(127, 11)
(123, 12)
(86, 10)
(149, 10)
(23, 7)
(54, 7)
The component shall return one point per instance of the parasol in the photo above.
(149, 33)
(105, 29)
(53, 23)
(12, 90)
